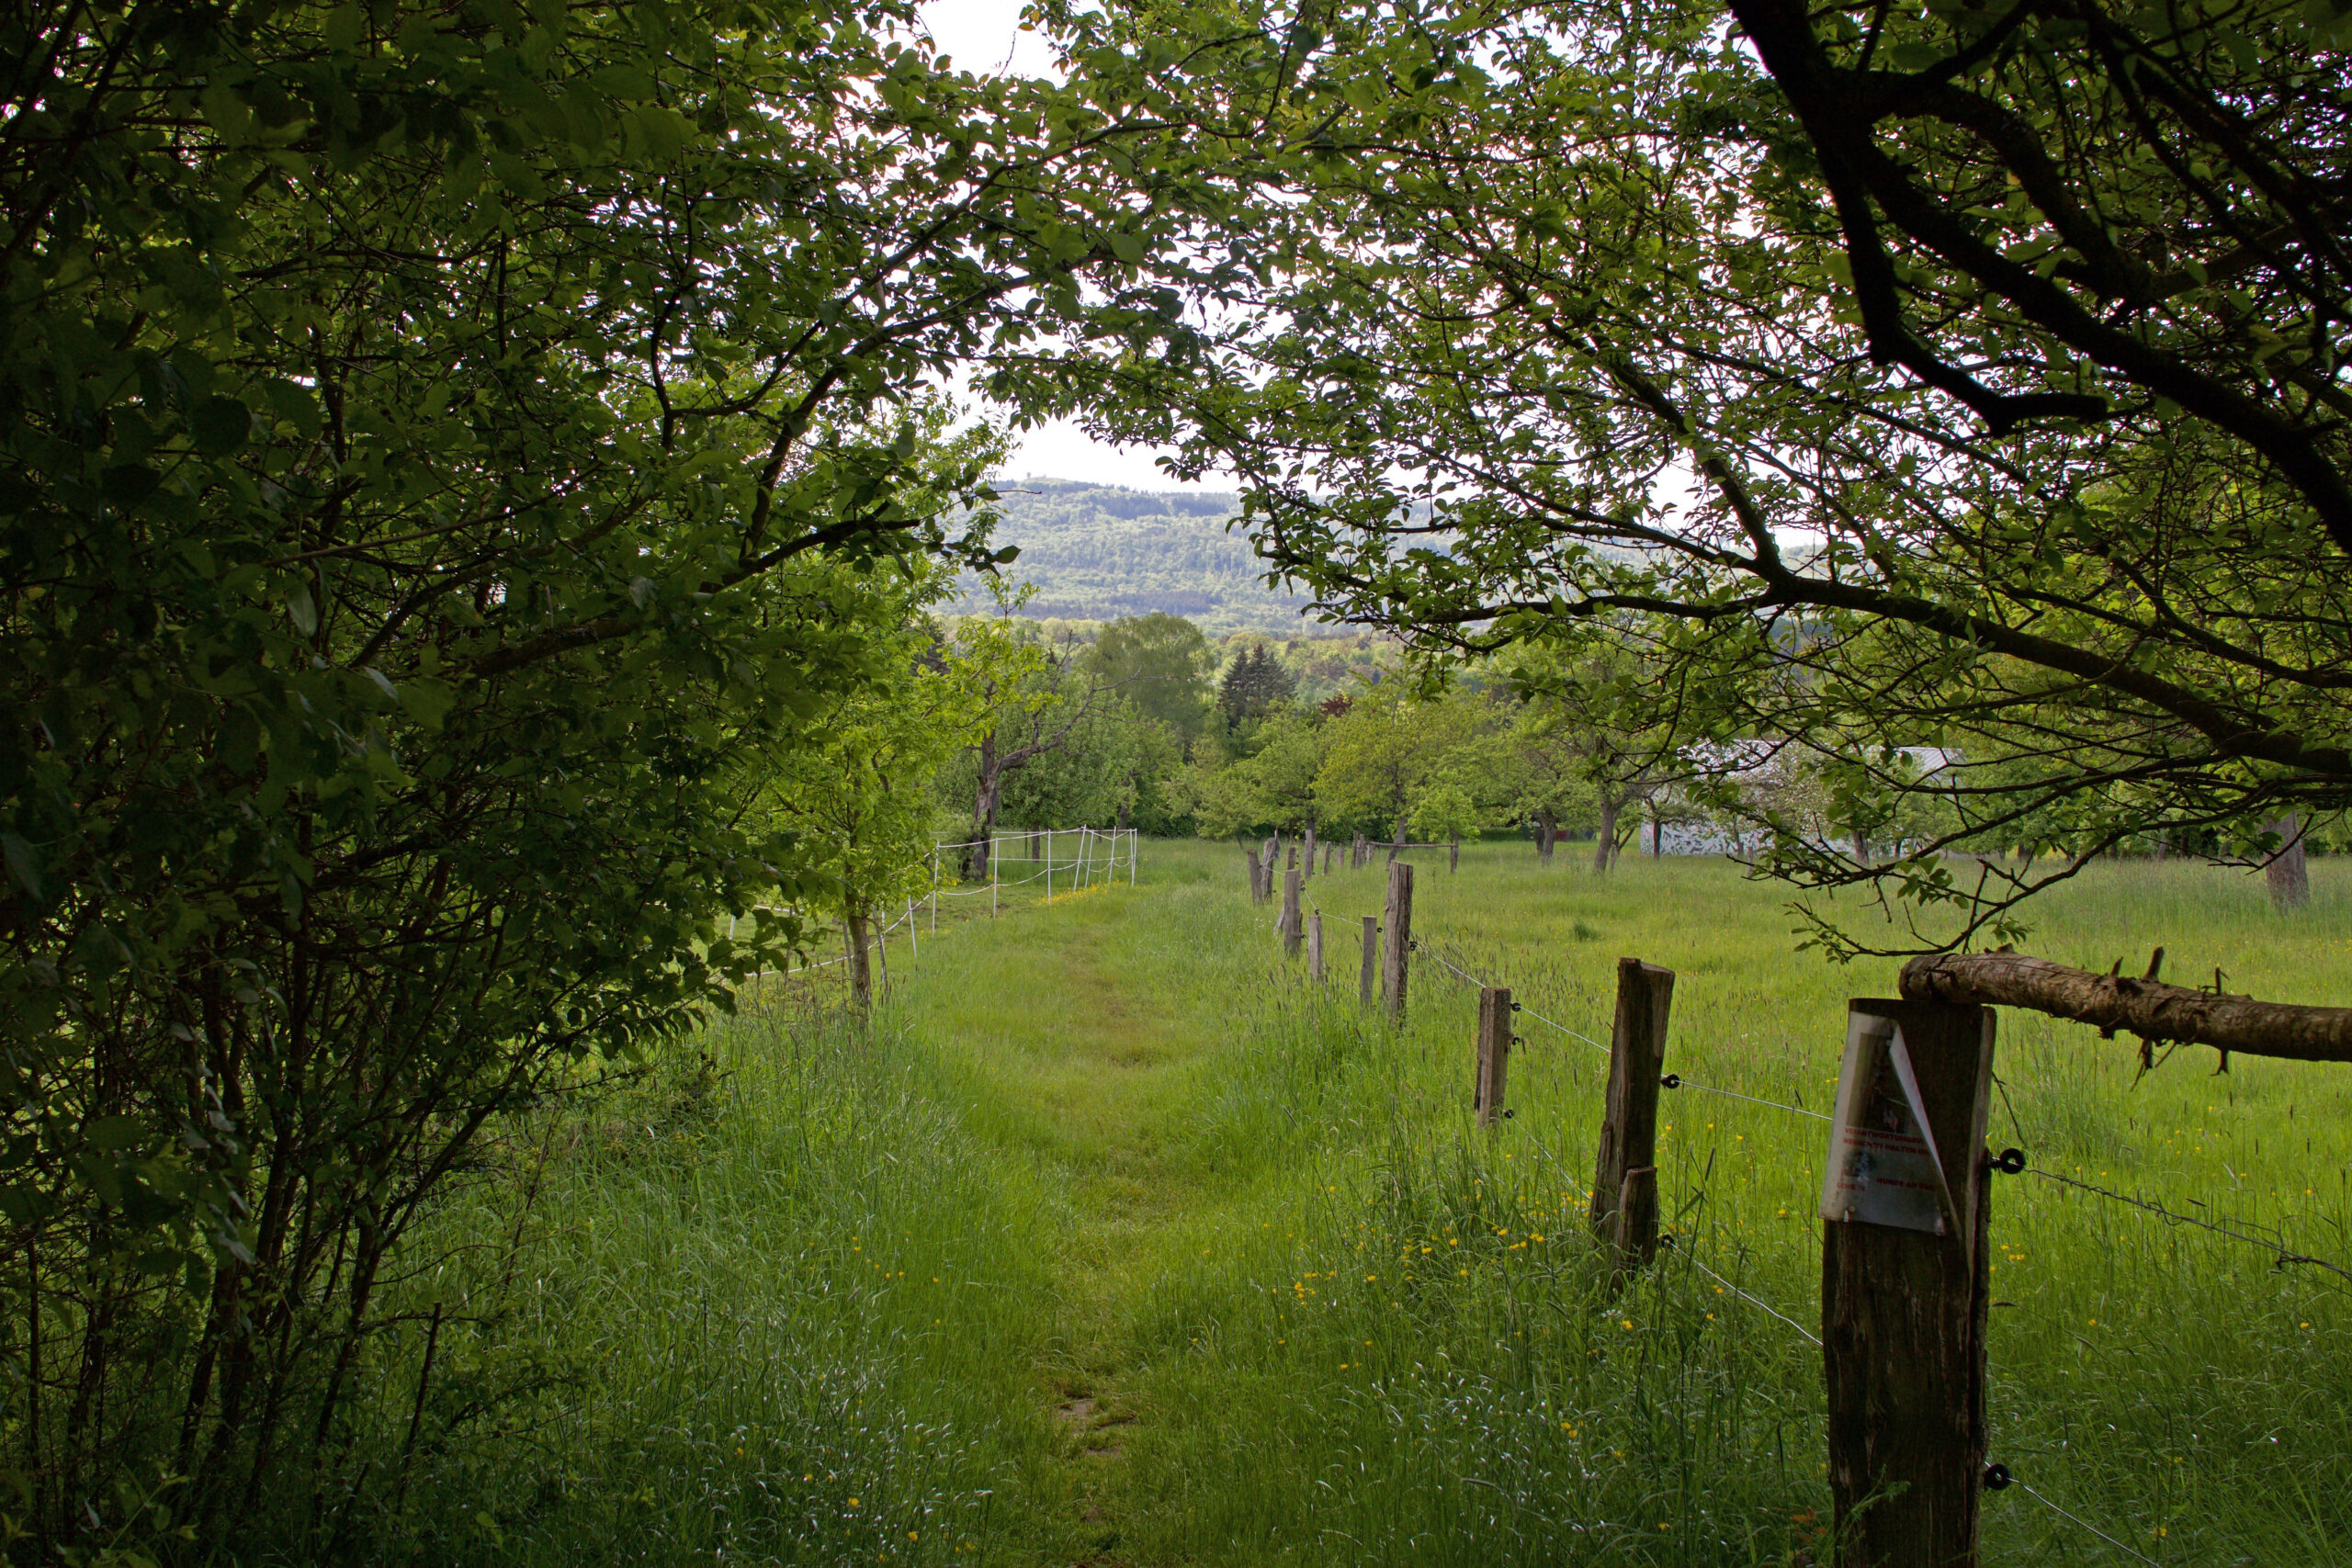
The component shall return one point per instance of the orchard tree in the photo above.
(1391, 749)
(1967, 378)
(853, 795)
(1273, 786)
(1163, 664)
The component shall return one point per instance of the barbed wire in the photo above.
(2273, 1243)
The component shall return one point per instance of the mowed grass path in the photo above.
(1111, 1240)
(1086, 1060)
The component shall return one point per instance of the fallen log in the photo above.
(2148, 1007)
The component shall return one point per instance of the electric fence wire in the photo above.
(1517, 1007)
(2281, 1253)
(2077, 1519)
(1756, 1302)
(1545, 1150)
(1676, 1080)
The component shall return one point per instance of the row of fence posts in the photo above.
(1264, 859)
(1903, 1311)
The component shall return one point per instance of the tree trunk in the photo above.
(1605, 842)
(1547, 833)
(2288, 875)
(1862, 848)
(861, 977)
(984, 804)
(1657, 837)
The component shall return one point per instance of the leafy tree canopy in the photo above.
(1963, 377)
(446, 447)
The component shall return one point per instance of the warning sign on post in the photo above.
(1883, 1167)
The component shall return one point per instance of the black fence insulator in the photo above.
(1996, 1475)
(1671, 1081)
(2011, 1162)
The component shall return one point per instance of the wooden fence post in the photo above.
(1368, 991)
(1328, 851)
(1308, 865)
(1453, 856)
(1635, 1241)
(1255, 896)
(1314, 946)
(1629, 1115)
(1291, 927)
(1903, 1321)
(1494, 1054)
(1399, 921)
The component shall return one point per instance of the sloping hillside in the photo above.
(1097, 552)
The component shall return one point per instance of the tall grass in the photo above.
(1112, 1238)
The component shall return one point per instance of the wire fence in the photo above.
(2268, 1239)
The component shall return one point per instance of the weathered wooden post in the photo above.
(1292, 929)
(1399, 921)
(1629, 1114)
(1453, 855)
(1255, 896)
(1368, 988)
(1903, 1282)
(1494, 1054)
(1314, 946)
(1328, 851)
(1635, 1241)
(1308, 864)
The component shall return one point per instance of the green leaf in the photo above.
(663, 131)
(24, 864)
(346, 26)
(127, 484)
(219, 426)
(426, 700)
(300, 609)
(114, 1133)
(623, 82)
(296, 405)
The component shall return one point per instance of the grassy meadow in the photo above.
(1112, 1240)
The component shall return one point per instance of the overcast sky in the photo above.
(986, 36)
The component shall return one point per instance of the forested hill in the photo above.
(1097, 552)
